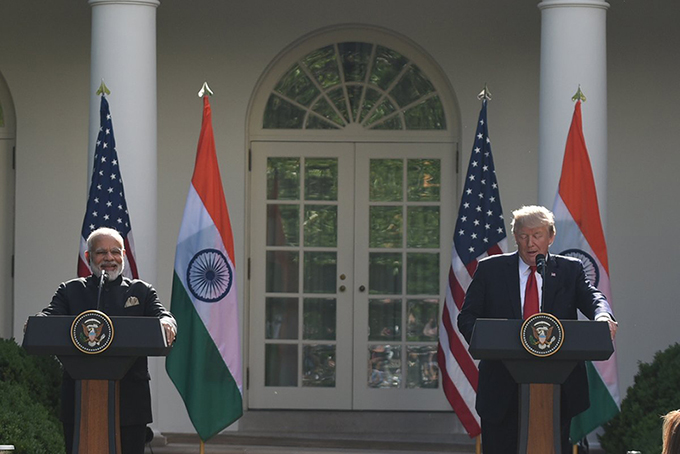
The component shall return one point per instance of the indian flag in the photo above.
(205, 363)
(580, 234)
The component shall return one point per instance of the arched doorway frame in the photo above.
(256, 133)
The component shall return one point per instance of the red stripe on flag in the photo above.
(456, 290)
(577, 188)
(467, 418)
(494, 250)
(459, 351)
(472, 267)
(132, 262)
(83, 269)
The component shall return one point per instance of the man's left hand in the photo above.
(170, 332)
(613, 326)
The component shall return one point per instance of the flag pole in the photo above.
(484, 96)
(202, 448)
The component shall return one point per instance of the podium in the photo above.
(97, 410)
(540, 377)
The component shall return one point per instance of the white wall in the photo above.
(45, 60)
(644, 158)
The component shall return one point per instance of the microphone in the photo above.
(102, 278)
(540, 267)
(540, 263)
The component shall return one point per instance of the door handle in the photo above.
(362, 288)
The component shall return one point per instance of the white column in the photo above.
(124, 56)
(573, 53)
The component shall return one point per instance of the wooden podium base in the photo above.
(97, 417)
(540, 419)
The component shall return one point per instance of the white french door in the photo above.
(349, 258)
(301, 271)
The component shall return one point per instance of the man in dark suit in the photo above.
(120, 296)
(506, 286)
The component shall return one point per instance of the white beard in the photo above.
(110, 275)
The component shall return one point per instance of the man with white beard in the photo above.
(120, 296)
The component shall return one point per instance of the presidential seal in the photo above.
(209, 276)
(92, 332)
(542, 334)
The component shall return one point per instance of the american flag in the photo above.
(106, 205)
(480, 231)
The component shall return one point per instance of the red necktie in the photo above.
(531, 295)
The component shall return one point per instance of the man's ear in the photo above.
(87, 257)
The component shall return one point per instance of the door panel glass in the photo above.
(423, 320)
(320, 273)
(386, 180)
(296, 85)
(355, 60)
(283, 178)
(424, 180)
(321, 225)
(384, 369)
(319, 319)
(385, 226)
(318, 366)
(279, 362)
(384, 273)
(388, 64)
(282, 271)
(324, 66)
(283, 223)
(428, 114)
(422, 273)
(423, 227)
(282, 318)
(422, 370)
(321, 179)
(412, 86)
(384, 317)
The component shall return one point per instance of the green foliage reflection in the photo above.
(355, 82)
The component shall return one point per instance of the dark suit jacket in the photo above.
(78, 295)
(495, 293)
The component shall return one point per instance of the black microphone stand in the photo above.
(102, 278)
(542, 270)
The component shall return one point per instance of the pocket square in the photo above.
(132, 301)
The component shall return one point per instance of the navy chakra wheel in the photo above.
(209, 275)
(589, 265)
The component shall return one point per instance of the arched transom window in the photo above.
(354, 83)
